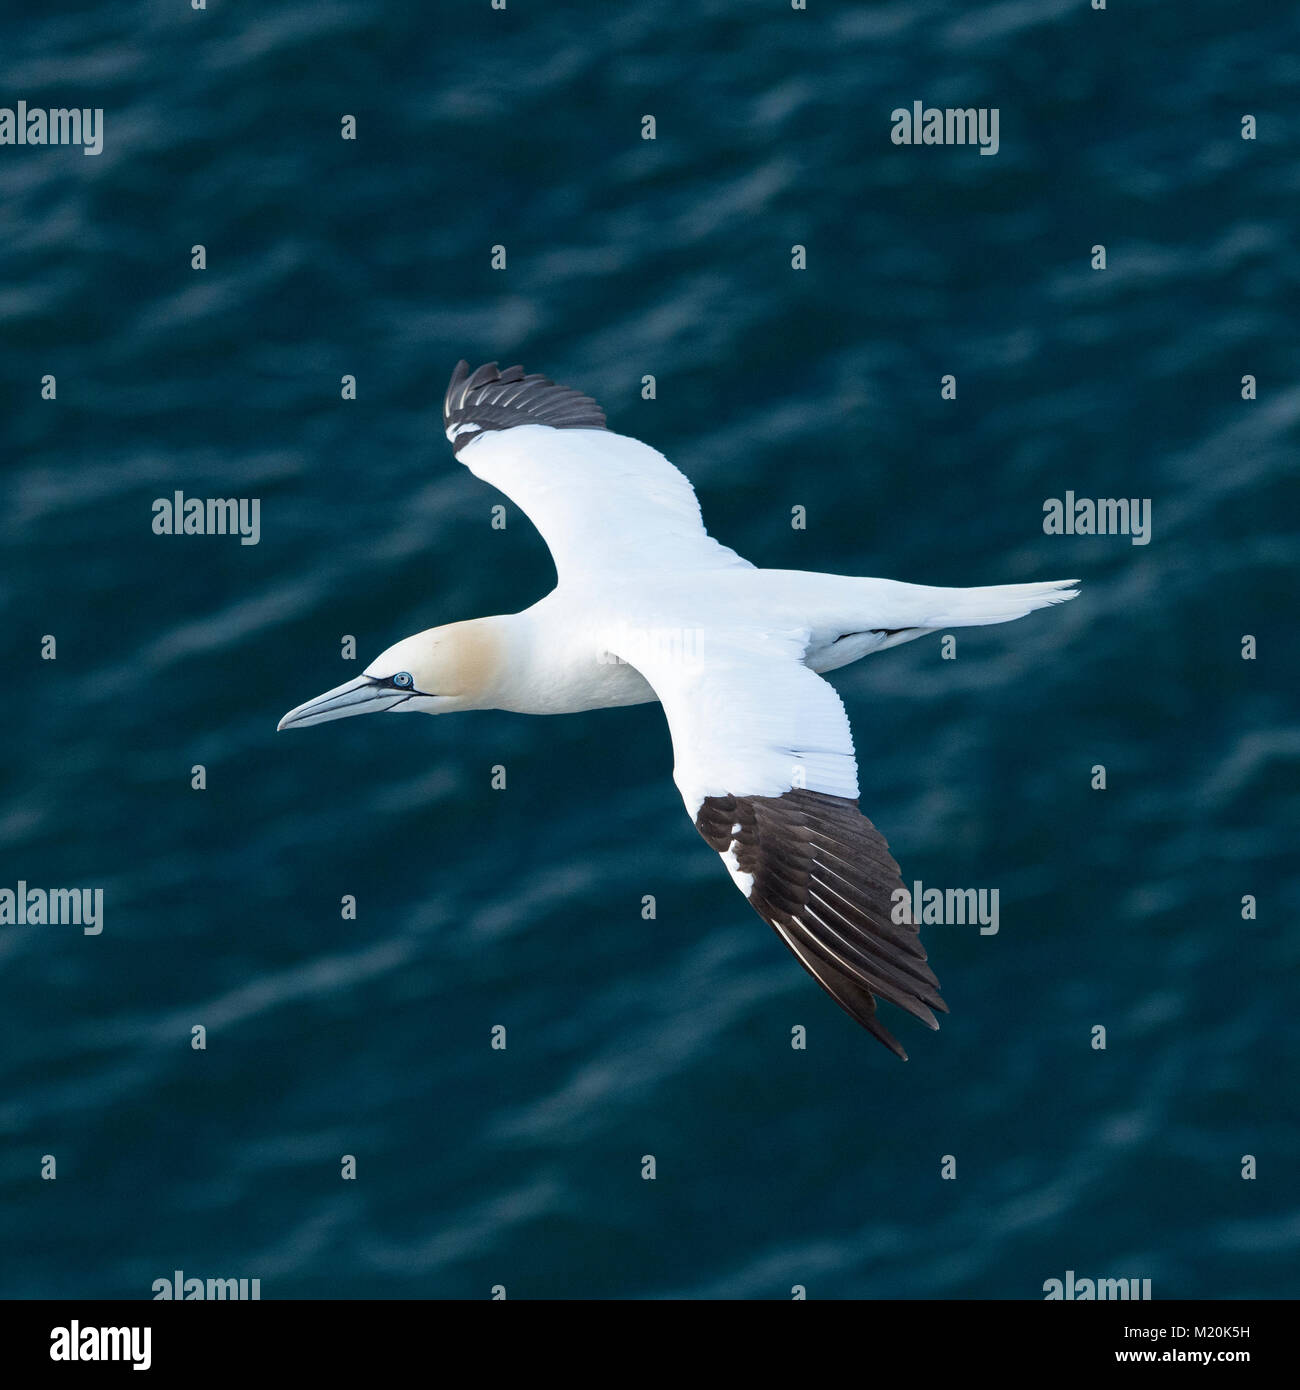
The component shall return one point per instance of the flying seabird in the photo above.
(648, 606)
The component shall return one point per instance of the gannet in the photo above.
(648, 606)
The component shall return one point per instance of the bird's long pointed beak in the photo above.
(360, 696)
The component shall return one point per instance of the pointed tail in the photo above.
(995, 603)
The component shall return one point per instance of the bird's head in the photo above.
(438, 671)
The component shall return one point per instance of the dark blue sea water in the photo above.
(776, 388)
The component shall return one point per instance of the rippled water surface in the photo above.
(776, 388)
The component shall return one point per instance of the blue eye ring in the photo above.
(402, 680)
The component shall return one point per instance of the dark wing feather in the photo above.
(488, 399)
(824, 880)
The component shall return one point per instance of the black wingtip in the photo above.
(489, 399)
(823, 878)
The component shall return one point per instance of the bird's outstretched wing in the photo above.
(601, 501)
(764, 761)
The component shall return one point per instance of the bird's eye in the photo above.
(402, 680)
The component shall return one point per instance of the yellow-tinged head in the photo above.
(456, 667)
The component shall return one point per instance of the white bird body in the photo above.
(649, 607)
(563, 655)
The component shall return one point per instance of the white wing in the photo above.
(764, 761)
(601, 501)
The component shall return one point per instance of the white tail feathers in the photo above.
(996, 603)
